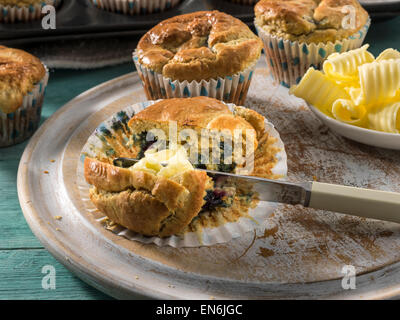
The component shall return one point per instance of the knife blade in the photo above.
(268, 190)
(366, 203)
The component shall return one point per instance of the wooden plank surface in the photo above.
(14, 232)
(21, 277)
(21, 254)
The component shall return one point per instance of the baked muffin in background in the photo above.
(23, 79)
(205, 53)
(23, 10)
(135, 7)
(298, 34)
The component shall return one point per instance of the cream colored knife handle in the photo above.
(366, 203)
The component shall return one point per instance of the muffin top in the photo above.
(19, 72)
(20, 3)
(210, 113)
(199, 45)
(310, 20)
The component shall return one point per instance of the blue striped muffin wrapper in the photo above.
(135, 7)
(11, 14)
(112, 139)
(21, 124)
(231, 89)
(288, 61)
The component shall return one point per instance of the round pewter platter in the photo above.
(300, 254)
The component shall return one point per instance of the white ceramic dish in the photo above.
(367, 136)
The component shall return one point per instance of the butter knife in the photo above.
(367, 203)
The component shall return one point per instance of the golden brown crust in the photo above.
(143, 202)
(134, 209)
(106, 176)
(19, 72)
(195, 182)
(115, 179)
(199, 45)
(309, 20)
(197, 112)
(255, 119)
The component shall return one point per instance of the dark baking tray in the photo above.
(80, 19)
(374, 6)
(382, 10)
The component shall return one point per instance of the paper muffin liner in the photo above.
(289, 60)
(231, 89)
(20, 125)
(257, 217)
(11, 14)
(135, 7)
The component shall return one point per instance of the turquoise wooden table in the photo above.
(22, 256)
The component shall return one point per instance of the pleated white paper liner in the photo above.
(231, 89)
(12, 14)
(288, 61)
(208, 236)
(20, 125)
(135, 7)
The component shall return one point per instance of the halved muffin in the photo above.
(145, 202)
(166, 196)
(209, 119)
